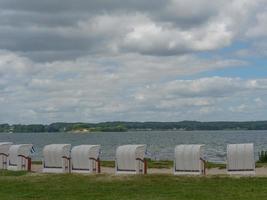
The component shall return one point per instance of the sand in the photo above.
(214, 171)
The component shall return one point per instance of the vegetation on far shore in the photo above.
(127, 126)
(26, 186)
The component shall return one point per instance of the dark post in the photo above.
(98, 166)
(29, 164)
(145, 166)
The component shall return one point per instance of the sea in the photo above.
(160, 144)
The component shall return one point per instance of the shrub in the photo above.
(263, 156)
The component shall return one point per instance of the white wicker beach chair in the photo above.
(130, 159)
(188, 160)
(85, 159)
(240, 159)
(56, 158)
(4, 147)
(19, 157)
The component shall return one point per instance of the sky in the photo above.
(132, 60)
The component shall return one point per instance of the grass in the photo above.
(12, 173)
(163, 164)
(156, 187)
(210, 165)
(151, 164)
(167, 164)
(105, 163)
(260, 164)
(36, 162)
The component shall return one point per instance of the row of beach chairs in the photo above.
(130, 159)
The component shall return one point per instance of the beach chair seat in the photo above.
(85, 159)
(4, 147)
(56, 158)
(188, 160)
(19, 157)
(240, 159)
(130, 159)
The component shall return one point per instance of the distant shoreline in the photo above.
(95, 132)
(133, 126)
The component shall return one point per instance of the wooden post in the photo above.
(69, 165)
(68, 160)
(204, 163)
(145, 166)
(144, 161)
(98, 166)
(28, 160)
(29, 164)
(4, 160)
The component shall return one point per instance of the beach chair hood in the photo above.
(55, 157)
(127, 157)
(4, 148)
(16, 154)
(84, 158)
(188, 159)
(240, 158)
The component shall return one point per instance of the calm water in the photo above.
(160, 144)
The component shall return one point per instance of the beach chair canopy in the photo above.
(18, 156)
(4, 147)
(188, 159)
(240, 158)
(56, 157)
(84, 158)
(129, 158)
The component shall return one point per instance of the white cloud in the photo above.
(121, 88)
(129, 60)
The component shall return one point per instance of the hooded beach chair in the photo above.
(4, 147)
(19, 157)
(130, 159)
(188, 160)
(240, 159)
(56, 158)
(85, 159)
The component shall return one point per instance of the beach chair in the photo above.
(56, 158)
(240, 159)
(130, 159)
(19, 157)
(188, 160)
(4, 147)
(85, 159)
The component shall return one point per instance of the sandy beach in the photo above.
(262, 171)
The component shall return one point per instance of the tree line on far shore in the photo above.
(138, 126)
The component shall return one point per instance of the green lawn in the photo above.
(169, 164)
(21, 185)
(163, 164)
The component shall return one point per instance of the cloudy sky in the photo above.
(132, 60)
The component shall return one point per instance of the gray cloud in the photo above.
(79, 28)
(80, 5)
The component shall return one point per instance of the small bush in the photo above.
(263, 156)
